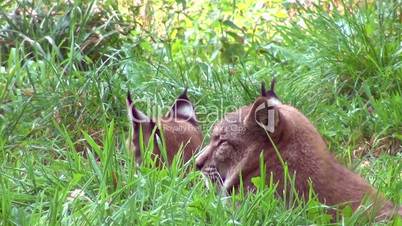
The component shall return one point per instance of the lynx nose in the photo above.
(199, 165)
(201, 159)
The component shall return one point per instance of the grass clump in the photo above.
(351, 56)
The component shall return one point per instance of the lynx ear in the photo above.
(183, 109)
(136, 116)
(129, 103)
(263, 114)
(271, 93)
(139, 120)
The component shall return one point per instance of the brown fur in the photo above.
(180, 134)
(178, 131)
(238, 139)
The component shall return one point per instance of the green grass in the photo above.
(59, 102)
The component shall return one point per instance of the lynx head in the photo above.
(178, 130)
(241, 137)
(236, 137)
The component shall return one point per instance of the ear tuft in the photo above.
(273, 84)
(128, 99)
(263, 90)
(183, 95)
(183, 109)
(271, 92)
(129, 103)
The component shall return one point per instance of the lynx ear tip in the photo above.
(263, 90)
(273, 84)
(129, 100)
(183, 95)
(271, 92)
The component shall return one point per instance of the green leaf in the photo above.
(347, 211)
(229, 23)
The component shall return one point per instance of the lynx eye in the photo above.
(223, 150)
(220, 142)
(215, 137)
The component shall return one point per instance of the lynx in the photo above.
(283, 135)
(178, 129)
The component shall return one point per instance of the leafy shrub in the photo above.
(389, 112)
(79, 33)
(351, 44)
(348, 56)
